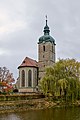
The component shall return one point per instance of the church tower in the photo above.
(46, 51)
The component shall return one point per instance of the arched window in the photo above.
(36, 80)
(29, 78)
(23, 78)
(44, 48)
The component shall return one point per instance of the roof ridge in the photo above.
(30, 59)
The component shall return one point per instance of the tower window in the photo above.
(23, 78)
(52, 48)
(43, 56)
(43, 48)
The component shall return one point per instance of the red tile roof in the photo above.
(28, 62)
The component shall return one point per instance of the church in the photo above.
(31, 71)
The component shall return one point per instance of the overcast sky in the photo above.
(22, 23)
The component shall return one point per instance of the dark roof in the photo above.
(46, 37)
(28, 62)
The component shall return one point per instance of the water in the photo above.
(49, 114)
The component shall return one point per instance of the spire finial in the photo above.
(46, 28)
(46, 20)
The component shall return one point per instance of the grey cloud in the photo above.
(21, 41)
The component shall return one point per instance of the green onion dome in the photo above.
(46, 37)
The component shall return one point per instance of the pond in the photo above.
(48, 114)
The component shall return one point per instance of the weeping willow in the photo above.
(62, 80)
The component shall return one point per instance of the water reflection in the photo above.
(10, 116)
(49, 114)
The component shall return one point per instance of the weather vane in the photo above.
(46, 17)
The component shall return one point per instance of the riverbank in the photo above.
(33, 104)
(22, 105)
